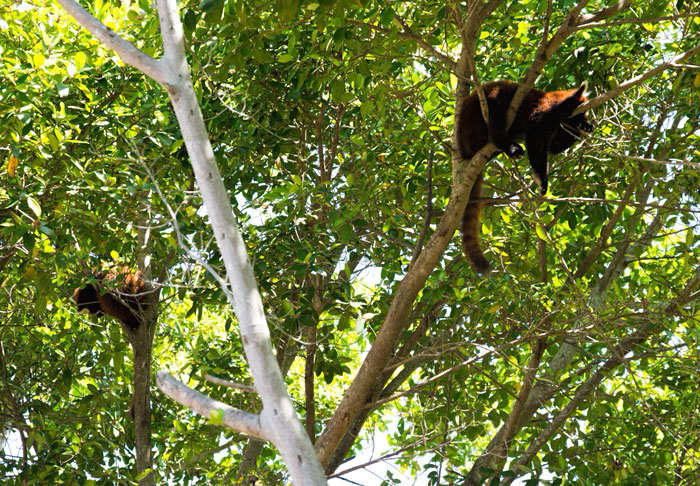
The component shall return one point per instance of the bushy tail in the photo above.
(471, 221)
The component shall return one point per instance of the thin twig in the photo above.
(229, 384)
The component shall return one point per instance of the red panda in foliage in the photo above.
(126, 304)
(543, 121)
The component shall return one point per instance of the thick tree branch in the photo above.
(544, 53)
(381, 391)
(510, 427)
(378, 356)
(583, 392)
(360, 390)
(234, 419)
(128, 52)
(309, 390)
(605, 13)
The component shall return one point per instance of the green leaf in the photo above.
(287, 9)
(67, 378)
(38, 59)
(366, 107)
(541, 232)
(190, 19)
(63, 90)
(216, 417)
(34, 206)
(209, 5)
(241, 12)
(337, 90)
(144, 473)
(80, 60)
(386, 16)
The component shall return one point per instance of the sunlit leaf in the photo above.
(12, 164)
(34, 206)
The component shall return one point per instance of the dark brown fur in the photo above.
(543, 121)
(125, 304)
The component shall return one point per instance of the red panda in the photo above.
(543, 121)
(125, 304)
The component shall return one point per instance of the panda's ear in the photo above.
(582, 91)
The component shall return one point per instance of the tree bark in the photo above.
(143, 357)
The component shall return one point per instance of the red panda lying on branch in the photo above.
(126, 304)
(544, 121)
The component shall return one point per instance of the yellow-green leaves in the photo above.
(38, 59)
(216, 417)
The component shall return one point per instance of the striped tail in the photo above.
(470, 229)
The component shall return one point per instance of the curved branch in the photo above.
(605, 13)
(234, 419)
(544, 53)
(631, 83)
(128, 52)
(587, 23)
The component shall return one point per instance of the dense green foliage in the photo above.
(332, 123)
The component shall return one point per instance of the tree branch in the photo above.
(128, 52)
(617, 356)
(582, 393)
(631, 83)
(234, 419)
(356, 395)
(605, 13)
(408, 33)
(510, 427)
(586, 23)
(229, 384)
(544, 53)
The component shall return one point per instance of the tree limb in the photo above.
(356, 395)
(544, 53)
(604, 13)
(360, 390)
(234, 419)
(229, 384)
(632, 82)
(617, 356)
(128, 52)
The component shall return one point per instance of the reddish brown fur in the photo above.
(500, 94)
(470, 228)
(125, 304)
(543, 121)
